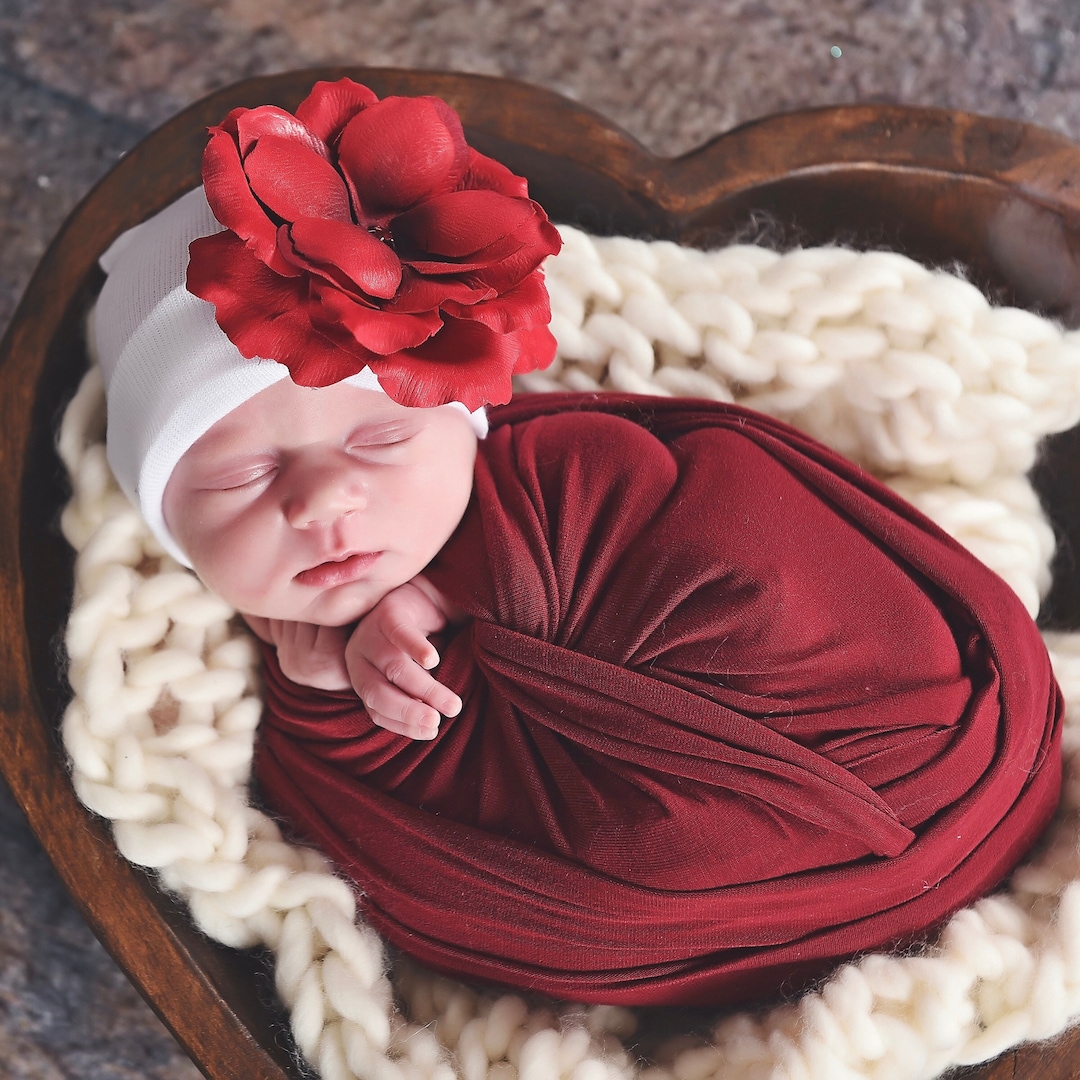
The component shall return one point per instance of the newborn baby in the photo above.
(717, 707)
(308, 508)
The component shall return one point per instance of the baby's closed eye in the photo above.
(245, 476)
(235, 475)
(380, 437)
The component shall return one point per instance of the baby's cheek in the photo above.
(235, 560)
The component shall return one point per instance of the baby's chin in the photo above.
(340, 606)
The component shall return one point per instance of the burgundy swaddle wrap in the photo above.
(732, 710)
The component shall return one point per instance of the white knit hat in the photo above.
(170, 372)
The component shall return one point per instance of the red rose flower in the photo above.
(367, 233)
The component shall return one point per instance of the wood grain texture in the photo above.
(999, 197)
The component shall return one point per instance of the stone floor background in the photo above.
(81, 81)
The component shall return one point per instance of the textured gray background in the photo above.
(82, 80)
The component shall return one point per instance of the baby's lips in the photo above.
(336, 572)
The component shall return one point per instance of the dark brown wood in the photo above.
(998, 197)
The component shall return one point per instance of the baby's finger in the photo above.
(407, 716)
(410, 677)
(420, 685)
(380, 696)
(413, 641)
(397, 712)
(441, 698)
(406, 674)
(424, 732)
(316, 671)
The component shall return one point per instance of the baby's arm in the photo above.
(389, 658)
(309, 655)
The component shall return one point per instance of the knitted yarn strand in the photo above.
(907, 371)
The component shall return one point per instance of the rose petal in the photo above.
(366, 261)
(232, 202)
(331, 105)
(268, 120)
(465, 361)
(500, 268)
(382, 332)
(536, 349)
(264, 315)
(461, 223)
(509, 260)
(324, 362)
(295, 182)
(485, 172)
(400, 151)
(232, 118)
(419, 293)
(521, 307)
(331, 275)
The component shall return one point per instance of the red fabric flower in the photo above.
(362, 232)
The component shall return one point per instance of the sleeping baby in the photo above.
(617, 698)
(309, 508)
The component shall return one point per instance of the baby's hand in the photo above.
(389, 658)
(309, 655)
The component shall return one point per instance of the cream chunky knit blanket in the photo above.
(907, 371)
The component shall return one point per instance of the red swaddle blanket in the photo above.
(732, 710)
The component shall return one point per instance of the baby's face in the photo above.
(310, 505)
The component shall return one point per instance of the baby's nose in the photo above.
(324, 491)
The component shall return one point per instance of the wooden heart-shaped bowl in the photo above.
(998, 197)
